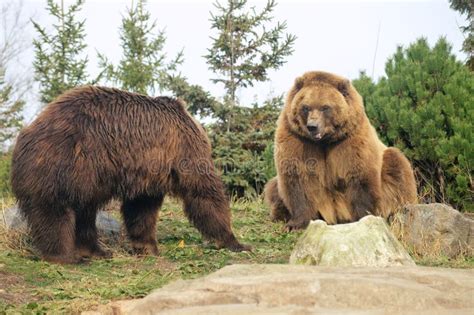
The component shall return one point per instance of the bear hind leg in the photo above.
(140, 216)
(398, 181)
(53, 232)
(87, 244)
(278, 210)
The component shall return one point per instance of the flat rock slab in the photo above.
(289, 289)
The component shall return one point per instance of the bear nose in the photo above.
(312, 127)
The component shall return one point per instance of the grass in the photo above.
(31, 286)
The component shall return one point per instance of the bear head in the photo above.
(323, 107)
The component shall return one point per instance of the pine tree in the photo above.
(467, 7)
(244, 49)
(14, 82)
(59, 62)
(143, 67)
(198, 101)
(10, 111)
(425, 106)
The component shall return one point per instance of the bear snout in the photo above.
(314, 129)
(312, 126)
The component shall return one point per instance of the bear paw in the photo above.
(296, 224)
(233, 245)
(145, 249)
(95, 251)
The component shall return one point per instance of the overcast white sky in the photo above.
(336, 36)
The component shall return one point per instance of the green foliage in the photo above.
(244, 154)
(467, 7)
(58, 63)
(425, 106)
(199, 101)
(143, 67)
(244, 49)
(5, 164)
(11, 108)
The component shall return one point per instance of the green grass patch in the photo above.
(31, 286)
(50, 288)
(444, 261)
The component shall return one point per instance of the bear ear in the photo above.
(299, 82)
(298, 85)
(344, 87)
(181, 102)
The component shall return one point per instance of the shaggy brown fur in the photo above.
(93, 144)
(330, 163)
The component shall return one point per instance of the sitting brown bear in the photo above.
(93, 144)
(330, 163)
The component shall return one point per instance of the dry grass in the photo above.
(12, 239)
(429, 251)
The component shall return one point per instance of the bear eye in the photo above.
(325, 108)
(305, 109)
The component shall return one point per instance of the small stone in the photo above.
(107, 225)
(368, 242)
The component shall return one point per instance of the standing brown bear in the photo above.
(330, 163)
(93, 144)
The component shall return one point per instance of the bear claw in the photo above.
(145, 250)
(294, 225)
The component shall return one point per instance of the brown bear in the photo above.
(93, 144)
(330, 163)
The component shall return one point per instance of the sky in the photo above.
(335, 36)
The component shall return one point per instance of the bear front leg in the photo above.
(140, 215)
(294, 197)
(210, 214)
(293, 179)
(363, 196)
(205, 203)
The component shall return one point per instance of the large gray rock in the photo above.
(434, 229)
(106, 224)
(290, 289)
(368, 242)
(470, 239)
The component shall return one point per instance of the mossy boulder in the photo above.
(368, 242)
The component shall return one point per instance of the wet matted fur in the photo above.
(93, 144)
